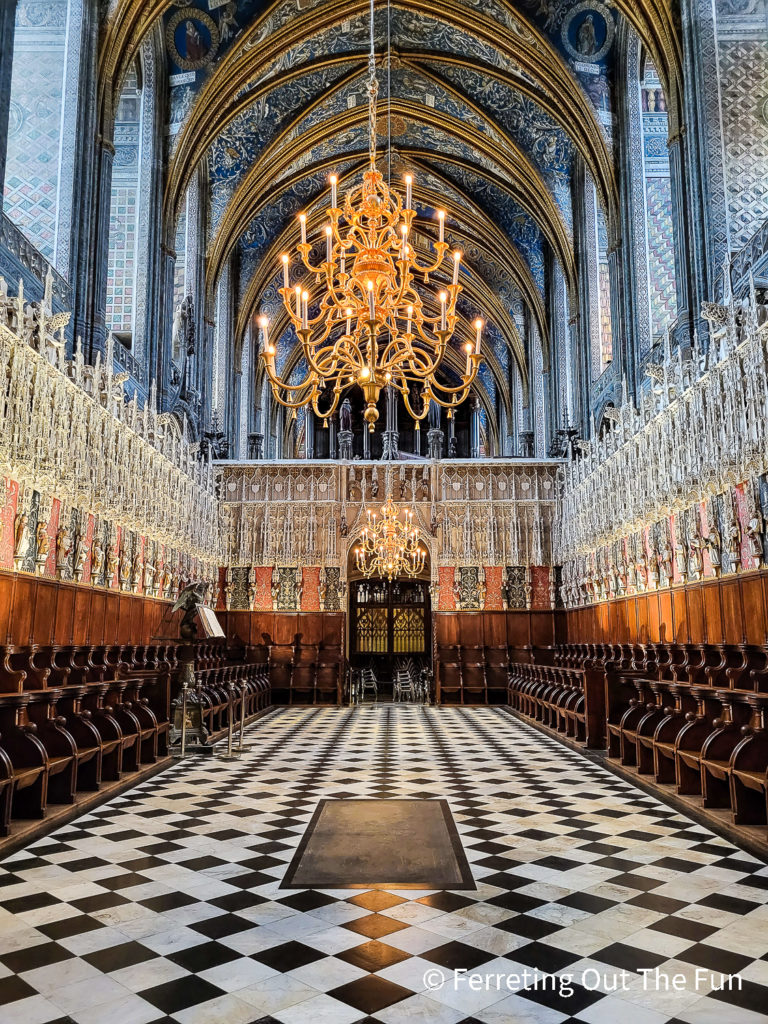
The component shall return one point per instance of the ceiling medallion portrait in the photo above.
(588, 32)
(192, 38)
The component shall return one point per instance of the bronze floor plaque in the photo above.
(380, 844)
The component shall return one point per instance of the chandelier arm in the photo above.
(310, 381)
(442, 249)
(331, 409)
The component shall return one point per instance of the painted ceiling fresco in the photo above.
(272, 97)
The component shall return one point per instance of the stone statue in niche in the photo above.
(149, 577)
(665, 558)
(734, 545)
(42, 546)
(125, 569)
(113, 562)
(714, 544)
(166, 581)
(137, 569)
(21, 539)
(97, 560)
(63, 550)
(696, 545)
(680, 558)
(755, 529)
(79, 555)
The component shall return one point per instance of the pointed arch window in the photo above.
(43, 125)
(657, 195)
(124, 212)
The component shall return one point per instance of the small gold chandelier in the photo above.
(390, 547)
(371, 327)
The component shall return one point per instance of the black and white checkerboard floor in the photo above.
(164, 905)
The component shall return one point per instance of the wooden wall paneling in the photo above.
(111, 619)
(643, 629)
(98, 617)
(310, 627)
(518, 629)
(654, 618)
(733, 618)
(22, 618)
(333, 628)
(471, 629)
(44, 612)
(7, 588)
(713, 616)
(81, 615)
(542, 629)
(446, 629)
(495, 629)
(753, 609)
(602, 617)
(613, 613)
(695, 615)
(64, 616)
(285, 627)
(681, 633)
(666, 620)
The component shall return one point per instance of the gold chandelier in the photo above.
(390, 546)
(371, 327)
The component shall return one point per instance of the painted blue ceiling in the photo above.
(201, 34)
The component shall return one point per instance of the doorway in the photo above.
(389, 621)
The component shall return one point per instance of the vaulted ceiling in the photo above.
(489, 102)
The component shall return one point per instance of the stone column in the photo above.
(309, 434)
(7, 32)
(474, 431)
(345, 444)
(90, 289)
(391, 437)
(453, 445)
(435, 444)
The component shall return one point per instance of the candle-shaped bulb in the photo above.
(328, 242)
(371, 300)
(478, 335)
(410, 317)
(298, 299)
(408, 191)
(441, 218)
(305, 304)
(456, 262)
(264, 325)
(286, 260)
(404, 247)
(303, 222)
(333, 180)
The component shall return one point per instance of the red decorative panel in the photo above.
(310, 589)
(263, 600)
(446, 599)
(540, 586)
(493, 579)
(10, 494)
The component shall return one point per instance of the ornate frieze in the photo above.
(674, 491)
(469, 514)
(87, 460)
